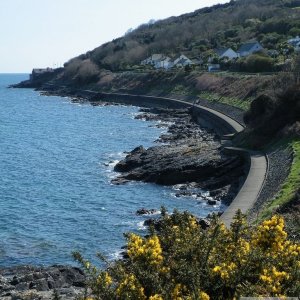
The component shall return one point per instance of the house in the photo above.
(154, 58)
(226, 53)
(165, 63)
(213, 67)
(40, 71)
(294, 41)
(249, 48)
(158, 61)
(182, 61)
(297, 47)
(197, 61)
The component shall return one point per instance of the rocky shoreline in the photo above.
(187, 156)
(34, 283)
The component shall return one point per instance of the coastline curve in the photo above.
(207, 117)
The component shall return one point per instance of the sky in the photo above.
(47, 33)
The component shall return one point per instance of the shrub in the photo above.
(258, 63)
(183, 261)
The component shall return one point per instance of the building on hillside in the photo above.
(165, 63)
(297, 47)
(213, 67)
(294, 41)
(249, 48)
(154, 58)
(197, 61)
(40, 71)
(226, 53)
(182, 61)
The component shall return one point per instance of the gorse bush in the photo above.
(183, 261)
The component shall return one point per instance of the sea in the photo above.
(56, 167)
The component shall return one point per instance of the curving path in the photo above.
(252, 186)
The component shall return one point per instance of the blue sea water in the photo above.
(55, 190)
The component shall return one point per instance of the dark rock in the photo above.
(144, 211)
(39, 283)
(189, 154)
(204, 223)
(211, 202)
(22, 286)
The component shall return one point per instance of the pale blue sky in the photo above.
(41, 33)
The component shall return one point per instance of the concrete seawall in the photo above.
(206, 117)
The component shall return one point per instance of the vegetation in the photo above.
(290, 187)
(242, 104)
(196, 34)
(183, 261)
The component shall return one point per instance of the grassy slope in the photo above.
(290, 186)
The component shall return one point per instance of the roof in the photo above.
(166, 58)
(157, 56)
(247, 47)
(221, 51)
(181, 61)
(294, 40)
(42, 70)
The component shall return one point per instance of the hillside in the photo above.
(196, 34)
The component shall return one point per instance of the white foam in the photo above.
(116, 255)
(141, 226)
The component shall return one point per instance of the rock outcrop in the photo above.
(188, 155)
(27, 282)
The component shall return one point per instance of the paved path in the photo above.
(252, 186)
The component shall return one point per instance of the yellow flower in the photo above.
(107, 279)
(130, 288)
(147, 249)
(178, 291)
(156, 297)
(203, 296)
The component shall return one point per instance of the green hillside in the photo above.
(196, 34)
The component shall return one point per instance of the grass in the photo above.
(290, 186)
(242, 104)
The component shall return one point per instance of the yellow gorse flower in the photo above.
(203, 296)
(130, 288)
(225, 270)
(273, 279)
(156, 297)
(178, 292)
(148, 249)
(271, 235)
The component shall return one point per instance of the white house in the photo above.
(226, 53)
(294, 41)
(249, 48)
(154, 58)
(165, 63)
(297, 47)
(158, 61)
(182, 61)
(213, 67)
